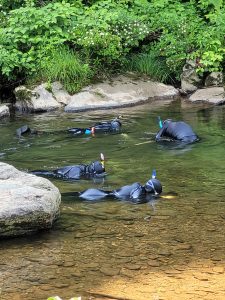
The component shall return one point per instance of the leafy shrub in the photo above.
(31, 33)
(210, 43)
(106, 32)
(186, 33)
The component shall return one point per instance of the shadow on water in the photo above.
(106, 246)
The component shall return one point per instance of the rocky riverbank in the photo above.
(120, 91)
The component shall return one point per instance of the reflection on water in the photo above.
(94, 243)
(175, 148)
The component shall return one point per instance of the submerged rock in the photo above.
(27, 203)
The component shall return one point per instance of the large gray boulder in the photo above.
(37, 100)
(214, 79)
(212, 95)
(118, 92)
(4, 111)
(27, 203)
(190, 80)
(60, 94)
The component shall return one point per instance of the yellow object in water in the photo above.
(169, 196)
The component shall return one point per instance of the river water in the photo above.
(94, 244)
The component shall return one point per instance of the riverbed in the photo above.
(169, 248)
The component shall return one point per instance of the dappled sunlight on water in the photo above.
(171, 248)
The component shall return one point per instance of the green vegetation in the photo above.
(63, 65)
(150, 64)
(76, 40)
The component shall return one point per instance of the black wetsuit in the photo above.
(135, 192)
(104, 127)
(75, 172)
(25, 129)
(179, 131)
(107, 126)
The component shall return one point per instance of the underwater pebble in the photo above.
(153, 263)
(127, 273)
(183, 247)
(109, 271)
(133, 267)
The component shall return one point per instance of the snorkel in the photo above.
(153, 177)
(90, 131)
(153, 174)
(87, 131)
(160, 122)
(102, 158)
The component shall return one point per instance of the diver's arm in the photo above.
(69, 172)
(159, 134)
(94, 194)
(76, 131)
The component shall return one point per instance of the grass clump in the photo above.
(151, 65)
(65, 66)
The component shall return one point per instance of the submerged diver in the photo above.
(104, 127)
(179, 131)
(135, 192)
(75, 172)
(25, 129)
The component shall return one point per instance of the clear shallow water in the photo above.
(92, 242)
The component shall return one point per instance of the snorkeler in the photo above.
(104, 127)
(135, 192)
(75, 172)
(179, 131)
